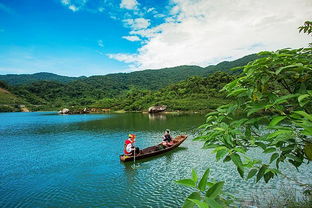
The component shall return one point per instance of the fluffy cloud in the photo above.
(137, 24)
(131, 38)
(129, 4)
(205, 32)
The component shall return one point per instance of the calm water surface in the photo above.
(49, 160)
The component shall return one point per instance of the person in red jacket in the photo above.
(129, 148)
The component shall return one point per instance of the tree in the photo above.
(306, 28)
(272, 110)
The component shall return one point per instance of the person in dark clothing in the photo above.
(167, 139)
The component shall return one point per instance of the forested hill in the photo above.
(156, 79)
(20, 79)
(148, 79)
(51, 94)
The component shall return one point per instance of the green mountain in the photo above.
(154, 79)
(193, 94)
(9, 101)
(20, 79)
(85, 91)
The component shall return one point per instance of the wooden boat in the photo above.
(154, 150)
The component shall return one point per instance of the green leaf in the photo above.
(221, 153)
(237, 92)
(219, 129)
(273, 157)
(187, 182)
(200, 138)
(268, 176)
(261, 172)
(251, 173)
(237, 160)
(200, 204)
(301, 99)
(307, 131)
(190, 204)
(215, 190)
(228, 140)
(308, 150)
(240, 171)
(284, 98)
(260, 144)
(203, 181)
(288, 67)
(304, 114)
(213, 203)
(230, 85)
(279, 132)
(240, 149)
(295, 158)
(255, 108)
(276, 120)
(227, 158)
(194, 176)
(269, 150)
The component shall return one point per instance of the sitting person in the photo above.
(167, 139)
(129, 148)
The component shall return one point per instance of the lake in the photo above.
(50, 160)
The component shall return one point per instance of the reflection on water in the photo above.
(157, 116)
(47, 160)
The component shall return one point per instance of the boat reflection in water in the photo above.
(157, 116)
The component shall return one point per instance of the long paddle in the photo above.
(133, 166)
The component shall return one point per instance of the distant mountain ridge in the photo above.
(148, 79)
(20, 79)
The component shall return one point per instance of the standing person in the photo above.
(129, 145)
(167, 139)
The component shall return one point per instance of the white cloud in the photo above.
(100, 43)
(127, 58)
(137, 24)
(205, 32)
(73, 8)
(132, 38)
(129, 4)
(74, 5)
(159, 15)
(65, 2)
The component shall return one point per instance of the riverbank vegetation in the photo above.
(193, 94)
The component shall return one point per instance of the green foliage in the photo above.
(21, 79)
(306, 28)
(206, 193)
(7, 108)
(271, 109)
(3, 85)
(192, 94)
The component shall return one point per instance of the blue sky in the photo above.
(97, 37)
